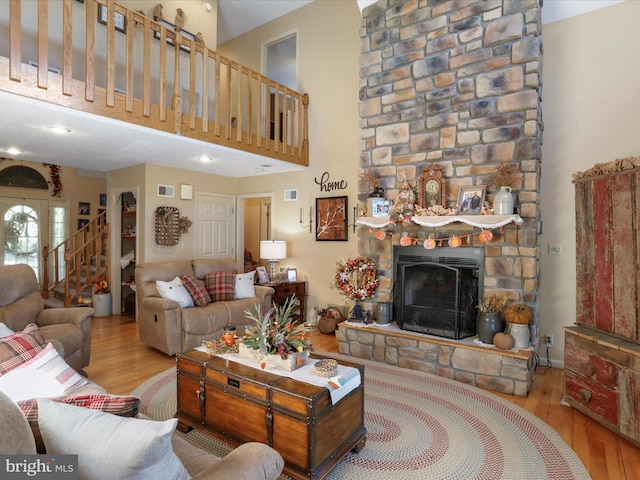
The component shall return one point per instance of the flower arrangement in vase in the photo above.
(489, 322)
(502, 178)
(101, 286)
(276, 339)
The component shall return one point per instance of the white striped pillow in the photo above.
(48, 363)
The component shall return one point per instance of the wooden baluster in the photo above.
(228, 100)
(177, 97)
(67, 48)
(239, 104)
(192, 85)
(90, 73)
(43, 44)
(146, 68)
(111, 53)
(15, 58)
(249, 107)
(129, 32)
(205, 90)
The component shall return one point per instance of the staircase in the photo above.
(70, 268)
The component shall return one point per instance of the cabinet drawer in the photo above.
(286, 290)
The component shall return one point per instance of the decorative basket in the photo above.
(166, 226)
(329, 319)
(326, 367)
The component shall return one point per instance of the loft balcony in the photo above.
(133, 69)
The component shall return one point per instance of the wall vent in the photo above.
(165, 191)
(290, 195)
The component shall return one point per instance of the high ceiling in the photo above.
(99, 144)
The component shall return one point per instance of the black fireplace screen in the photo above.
(437, 294)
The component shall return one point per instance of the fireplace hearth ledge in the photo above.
(504, 371)
(480, 221)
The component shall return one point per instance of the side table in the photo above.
(286, 290)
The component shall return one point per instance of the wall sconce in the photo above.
(273, 251)
(310, 220)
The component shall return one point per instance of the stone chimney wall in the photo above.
(456, 83)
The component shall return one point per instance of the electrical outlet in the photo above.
(549, 339)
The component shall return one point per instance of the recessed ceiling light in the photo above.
(259, 169)
(207, 6)
(204, 159)
(14, 151)
(59, 130)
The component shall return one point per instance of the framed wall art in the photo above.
(119, 18)
(103, 199)
(331, 219)
(471, 200)
(378, 207)
(84, 208)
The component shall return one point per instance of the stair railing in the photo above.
(84, 257)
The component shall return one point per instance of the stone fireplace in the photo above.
(456, 84)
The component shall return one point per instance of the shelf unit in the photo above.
(128, 245)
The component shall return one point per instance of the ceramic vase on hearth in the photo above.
(488, 325)
(520, 333)
(503, 201)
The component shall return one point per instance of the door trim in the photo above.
(240, 222)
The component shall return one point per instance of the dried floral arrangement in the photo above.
(504, 174)
(282, 336)
(492, 304)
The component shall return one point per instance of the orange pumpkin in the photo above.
(405, 241)
(503, 340)
(381, 235)
(455, 241)
(485, 236)
(429, 243)
(518, 313)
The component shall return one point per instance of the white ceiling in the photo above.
(99, 144)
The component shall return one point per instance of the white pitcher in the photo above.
(503, 201)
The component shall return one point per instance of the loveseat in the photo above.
(111, 439)
(69, 329)
(170, 328)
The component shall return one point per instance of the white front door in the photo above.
(215, 220)
(24, 232)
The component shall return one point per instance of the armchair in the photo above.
(69, 329)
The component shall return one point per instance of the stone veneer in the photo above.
(493, 369)
(456, 83)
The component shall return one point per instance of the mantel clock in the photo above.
(432, 187)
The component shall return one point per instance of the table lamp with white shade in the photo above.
(273, 251)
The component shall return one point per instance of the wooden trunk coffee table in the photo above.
(237, 404)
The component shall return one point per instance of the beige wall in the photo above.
(590, 109)
(328, 56)
(198, 20)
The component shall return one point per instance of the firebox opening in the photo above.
(436, 292)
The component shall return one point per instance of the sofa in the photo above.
(21, 303)
(48, 407)
(165, 325)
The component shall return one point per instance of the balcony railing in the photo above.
(136, 70)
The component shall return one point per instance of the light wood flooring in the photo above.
(120, 362)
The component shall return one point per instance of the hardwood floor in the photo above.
(120, 362)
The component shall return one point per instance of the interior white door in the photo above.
(215, 219)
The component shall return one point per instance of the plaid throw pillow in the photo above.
(198, 292)
(20, 347)
(123, 406)
(220, 285)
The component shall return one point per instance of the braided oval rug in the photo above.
(421, 426)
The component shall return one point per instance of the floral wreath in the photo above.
(367, 278)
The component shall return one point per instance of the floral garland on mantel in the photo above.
(366, 280)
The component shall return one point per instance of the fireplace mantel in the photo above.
(480, 221)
